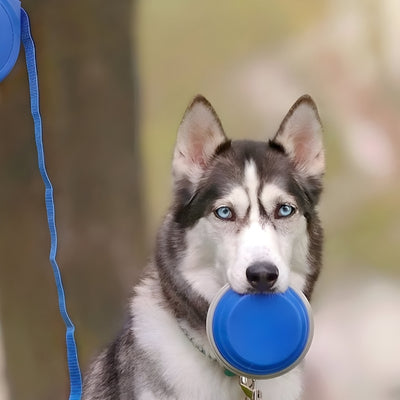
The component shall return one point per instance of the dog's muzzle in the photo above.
(262, 276)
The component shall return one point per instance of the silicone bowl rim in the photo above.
(220, 357)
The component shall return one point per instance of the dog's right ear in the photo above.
(199, 136)
(300, 135)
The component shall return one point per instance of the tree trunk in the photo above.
(89, 104)
(3, 382)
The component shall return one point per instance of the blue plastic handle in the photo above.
(10, 35)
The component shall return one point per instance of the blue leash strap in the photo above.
(73, 363)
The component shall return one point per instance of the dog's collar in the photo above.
(202, 351)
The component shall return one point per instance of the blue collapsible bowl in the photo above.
(10, 35)
(260, 336)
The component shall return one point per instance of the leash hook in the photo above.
(248, 385)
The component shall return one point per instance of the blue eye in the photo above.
(224, 213)
(285, 210)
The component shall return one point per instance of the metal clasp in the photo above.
(248, 386)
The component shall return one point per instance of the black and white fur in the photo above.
(257, 247)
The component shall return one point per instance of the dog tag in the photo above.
(249, 388)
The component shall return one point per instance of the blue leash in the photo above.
(73, 363)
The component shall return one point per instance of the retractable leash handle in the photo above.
(10, 35)
(14, 27)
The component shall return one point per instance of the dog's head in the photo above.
(248, 208)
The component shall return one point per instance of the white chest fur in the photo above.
(190, 374)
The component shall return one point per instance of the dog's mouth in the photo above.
(266, 291)
(248, 289)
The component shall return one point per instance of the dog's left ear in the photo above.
(199, 136)
(300, 134)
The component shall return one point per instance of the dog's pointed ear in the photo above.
(300, 135)
(199, 136)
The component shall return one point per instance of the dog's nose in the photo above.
(262, 275)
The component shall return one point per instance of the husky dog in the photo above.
(243, 213)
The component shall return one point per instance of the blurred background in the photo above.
(115, 79)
